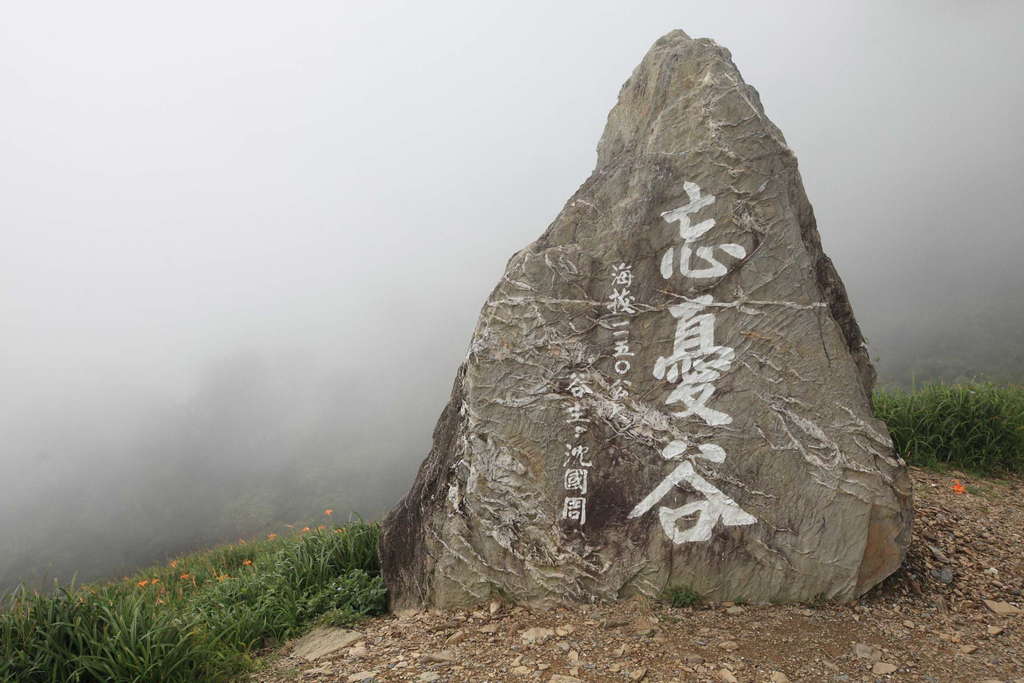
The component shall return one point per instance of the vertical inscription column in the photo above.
(695, 363)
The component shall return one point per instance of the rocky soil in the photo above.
(954, 612)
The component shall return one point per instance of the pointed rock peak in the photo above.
(668, 388)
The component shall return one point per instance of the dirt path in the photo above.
(929, 622)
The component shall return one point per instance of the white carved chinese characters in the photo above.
(695, 364)
(688, 233)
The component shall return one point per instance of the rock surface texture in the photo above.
(668, 388)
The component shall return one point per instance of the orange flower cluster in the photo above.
(247, 563)
(958, 487)
(328, 512)
(271, 537)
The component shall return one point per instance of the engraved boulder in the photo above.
(668, 388)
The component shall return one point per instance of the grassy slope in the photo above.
(199, 618)
(974, 427)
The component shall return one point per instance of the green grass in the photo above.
(681, 596)
(198, 619)
(977, 427)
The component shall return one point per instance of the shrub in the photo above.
(681, 596)
(975, 427)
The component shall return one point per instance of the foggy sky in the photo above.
(333, 188)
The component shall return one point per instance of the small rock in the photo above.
(1003, 609)
(456, 638)
(692, 659)
(489, 628)
(615, 668)
(321, 642)
(638, 675)
(494, 607)
(995, 630)
(559, 678)
(729, 645)
(883, 668)
(942, 575)
(937, 554)
(908, 624)
(778, 677)
(734, 610)
(522, 670)
(620, 651)
(429, 676)
(565, 630)
(574, 656)
(441, 657)
(325, 669)
(868, 652)
(726, 676)
(968, 649)
(362, 677)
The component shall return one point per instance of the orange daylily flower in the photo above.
(322, 527)
(271, 537)
(160, 602)
(247, 563)
(339, 531)
(305, 529)
(143, 583)
(185, 577)
(329, 512)
(155, 581)
(958, 487)
(174, 564)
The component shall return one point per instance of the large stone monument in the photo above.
(667, 388)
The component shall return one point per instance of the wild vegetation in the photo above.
(200, 617)
(976, 427)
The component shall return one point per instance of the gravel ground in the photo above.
(928, 622)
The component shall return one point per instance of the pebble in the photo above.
(883, 668)
(778, 677)
(729, 645)
(441, 657)
(868, 652)
(362, 677)
(1003, 609)
(726, 676)
(456, 638)
(537, 635)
